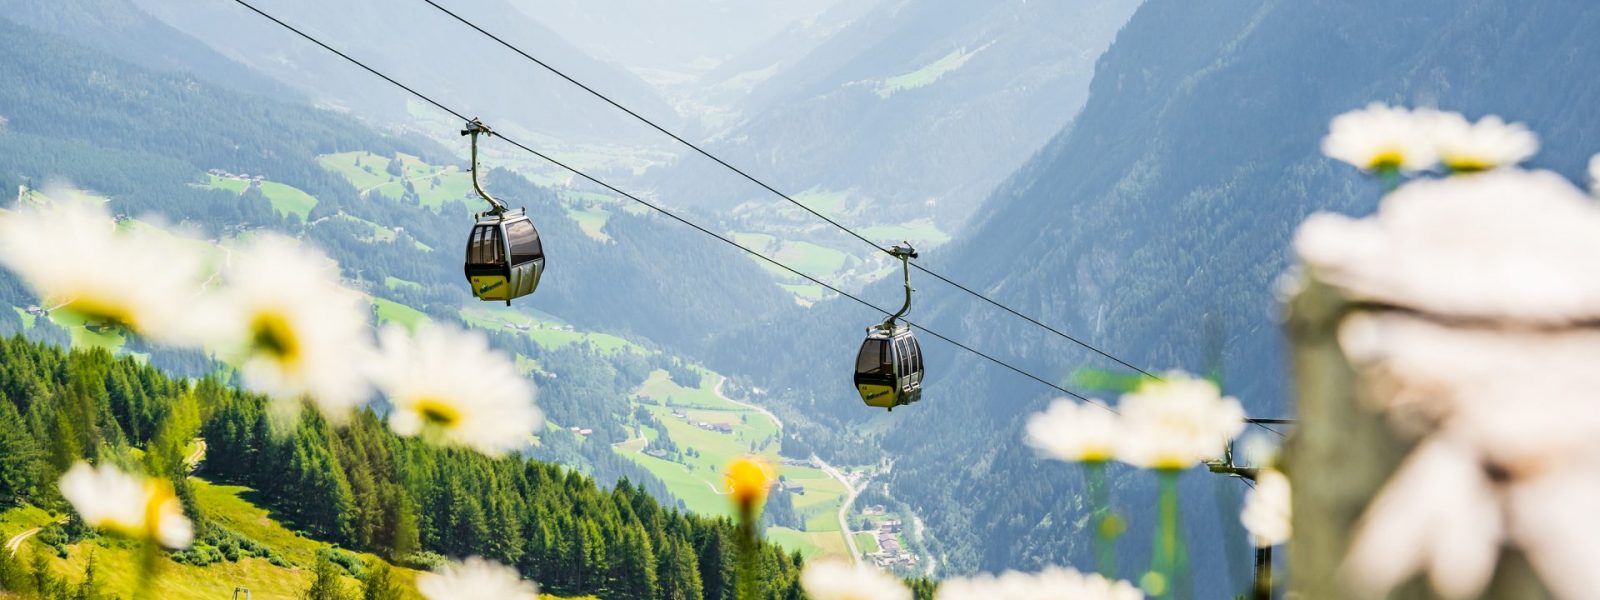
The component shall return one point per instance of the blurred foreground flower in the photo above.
(475, 579)
(142, 509)
(1381, 138)
(748, 481)
(1051, 583)
(1266, 509)
(1075, 432)
(1508, 455)
(826, 579)
(1504, 243)
(72, 254)
(1466, 147)
(1175, 423)
(1594, 174)
(451, 385)
(293, 330)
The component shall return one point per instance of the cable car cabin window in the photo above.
(524, 239)
(874, 358)
(904, 355)
(916, 355)
(483, 248)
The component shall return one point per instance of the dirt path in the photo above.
(15, 543)
(192, 461)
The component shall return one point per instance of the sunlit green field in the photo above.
(285, 199)
(927, 74)
(543, 330)
(390, 311)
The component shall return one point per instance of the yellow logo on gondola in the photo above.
(490, 288)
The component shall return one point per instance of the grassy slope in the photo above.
(284, 198)
(697, 480)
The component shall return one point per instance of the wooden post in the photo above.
(1342, 451)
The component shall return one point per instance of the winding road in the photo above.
(844, 507)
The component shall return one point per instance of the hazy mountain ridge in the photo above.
(919, 107)
(429, 51)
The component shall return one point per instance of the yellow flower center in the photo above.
(1462, 163)
(271, 334)
(747, 481)
(158, 495)
(1386, 160)
(437, 412)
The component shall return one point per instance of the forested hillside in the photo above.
(151, 145)
(358, 487)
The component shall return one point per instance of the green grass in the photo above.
(812, 259)
(698, 479)
(542, 329)
(812, 544)
(927, 74)
(225, 505)
(867, 542)
(592, 221)
(27, 319)
(379, 232)
(823, 201)
(82, 337)
(395, 283)
(390, 311)
(344, 163)
(920, 230)
(285, 199)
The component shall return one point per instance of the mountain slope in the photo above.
(1171, 200)
(914, 107)
(120, 28)
(429, 51)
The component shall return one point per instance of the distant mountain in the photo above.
(914, 108)
(670, 42)
(430, 51)
(120, 28)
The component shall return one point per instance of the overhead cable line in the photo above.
(660, 209)
(775, 191)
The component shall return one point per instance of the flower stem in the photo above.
(1104, 537)
(748, 539)
(1164, 563)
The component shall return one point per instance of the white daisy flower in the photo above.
(1075, 432)
(1466, 147)
(1503, 244)
(1437, 514)
(1053, 583)
(291, 327)
(476, 579)
(127, 505)
(1266, 509)
(1176, 423)
(448, 383)
(837, 580)
(73, 255)
(1380, 138)
(1509, 457)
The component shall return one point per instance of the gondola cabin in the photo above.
(889, 368)
(504, 256)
